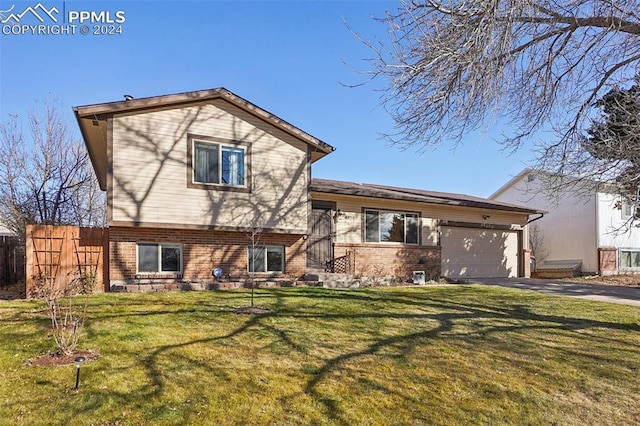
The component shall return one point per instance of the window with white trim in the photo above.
(629, 259)
(391, 227)
(266, 259)
(627, 209)
(159, 258)
(219, 164)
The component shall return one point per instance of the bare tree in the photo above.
(536, 243)
(45, 175)
(256, 257)
(451, 67)
(66, 314)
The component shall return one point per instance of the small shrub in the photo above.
(67, 317)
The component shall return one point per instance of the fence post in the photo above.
(29, 249)
(3, 261)
(106, 257)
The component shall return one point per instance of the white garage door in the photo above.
(473, 252)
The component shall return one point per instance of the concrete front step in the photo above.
(330, 280)
(341, 284)
(327, 276)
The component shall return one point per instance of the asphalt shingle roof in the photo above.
(410, 194)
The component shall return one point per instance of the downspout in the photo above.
(597, 228)
(529, 221)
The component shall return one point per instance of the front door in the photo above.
(319, 244)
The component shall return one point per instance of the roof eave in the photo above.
(127, 106)
(429, 200)
(92, 149)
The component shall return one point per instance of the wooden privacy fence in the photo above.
(60, 254)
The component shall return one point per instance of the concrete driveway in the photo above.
(602, 293)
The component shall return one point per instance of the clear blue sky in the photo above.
(291, 58)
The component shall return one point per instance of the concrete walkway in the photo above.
(603, 293)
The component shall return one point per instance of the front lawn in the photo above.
(422, 355)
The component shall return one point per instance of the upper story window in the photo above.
(391, 226)
(217, 163)
(627, 209)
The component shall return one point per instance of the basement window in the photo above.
(266, 259)
(159, 258)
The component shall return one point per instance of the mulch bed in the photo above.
(250, 310)
(12, 291)
(622, 280)
(58, 359)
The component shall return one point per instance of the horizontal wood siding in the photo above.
(149, 171)
(349, 223)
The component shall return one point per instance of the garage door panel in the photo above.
(473, 252)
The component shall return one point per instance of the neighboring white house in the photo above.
(4, 231)
(591, 227)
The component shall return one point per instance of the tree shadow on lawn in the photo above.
(477, 321)
(520, 319)
(92, 398)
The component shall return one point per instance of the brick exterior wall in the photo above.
(607, 260)
(201, 252)
(392, 260)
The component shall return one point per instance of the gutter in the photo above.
(597, 223)
(534, 219)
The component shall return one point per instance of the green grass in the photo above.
(429, 355)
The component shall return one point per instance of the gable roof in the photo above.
(510, 183)
(558, 183)
(4, 231)
(92, 120)
(415, 195)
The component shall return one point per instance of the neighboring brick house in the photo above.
(190, 178)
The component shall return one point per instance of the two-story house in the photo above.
(589, 228)
(5, 232)
(207, 179)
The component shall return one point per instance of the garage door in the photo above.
(473, 252)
